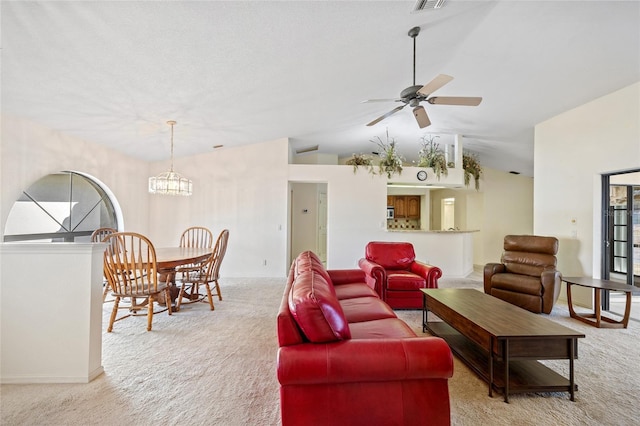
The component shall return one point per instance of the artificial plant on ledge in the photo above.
(472, 168)
(390, 160)
(363, 160)
(431, 155)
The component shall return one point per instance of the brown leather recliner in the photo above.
(527, 275)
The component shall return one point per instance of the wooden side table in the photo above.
(596, 318)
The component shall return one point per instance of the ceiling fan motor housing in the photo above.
(410, 93)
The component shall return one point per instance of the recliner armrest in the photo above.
(551, 283)
(490, 269)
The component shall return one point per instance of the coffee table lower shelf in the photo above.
(525, 375)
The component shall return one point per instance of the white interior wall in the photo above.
(356, 211)
(51, 317)
(502, 206)
(572, 150)
(507, 209)
(30, 151)
(243, 189)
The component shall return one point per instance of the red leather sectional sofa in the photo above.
(344, 358)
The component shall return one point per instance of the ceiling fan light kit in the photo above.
(416, 94)
(421, 117)
(170, 183)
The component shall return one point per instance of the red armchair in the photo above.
(399, 276)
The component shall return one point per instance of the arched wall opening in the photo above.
(65, 206)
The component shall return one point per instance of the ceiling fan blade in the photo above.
(434, 84)
(393, 111)
(421, 117)
(455, 100)
(381, 100)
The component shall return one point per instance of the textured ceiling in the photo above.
(236, 73)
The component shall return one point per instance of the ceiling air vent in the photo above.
(427, 4)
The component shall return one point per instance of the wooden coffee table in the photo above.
(493, 336)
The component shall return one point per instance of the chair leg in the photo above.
(106, 290)
(218, 289)
(113, 314)
(167, 295)
(150, 312)
(179, 298)
(209, 296)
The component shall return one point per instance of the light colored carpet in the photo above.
(218, 368)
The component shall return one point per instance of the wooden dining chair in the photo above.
(207, 273)
(195, 236)
(132, 272)
(219, 251)
(96, 237)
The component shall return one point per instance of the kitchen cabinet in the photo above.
(400, 207)
(413, 206)
(405, 206)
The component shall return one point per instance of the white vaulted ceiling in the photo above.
(239, 72)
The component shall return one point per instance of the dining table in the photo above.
(169, 258)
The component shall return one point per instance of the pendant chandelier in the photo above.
(170, 183)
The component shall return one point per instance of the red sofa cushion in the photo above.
(365, 309)
(316, 309)
(404, 280)
(386, 328)
(352, 291)
(390, 255)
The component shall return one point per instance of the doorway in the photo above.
(621, 226)
(621, 232)
(308, 219)
(448, 214)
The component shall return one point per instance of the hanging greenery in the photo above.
(431, 155)
(472, 168)
(390, 160)
(358, 160)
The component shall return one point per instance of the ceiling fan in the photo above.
(413, 95)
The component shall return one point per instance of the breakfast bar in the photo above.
(451, 251)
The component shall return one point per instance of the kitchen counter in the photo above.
(451, 251)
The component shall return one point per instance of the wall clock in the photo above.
(422, 175)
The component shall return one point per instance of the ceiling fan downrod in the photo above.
(413, 33)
